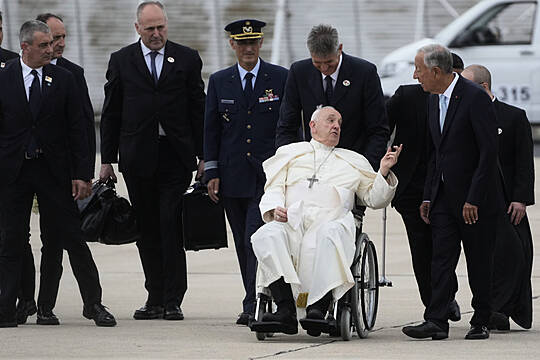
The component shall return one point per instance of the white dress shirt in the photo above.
(448, 92)
(334, 76)
(254, 71)
(159, 65)
(28, 77)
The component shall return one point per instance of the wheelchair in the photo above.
(356, 311)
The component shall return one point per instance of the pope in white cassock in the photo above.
(307, 245)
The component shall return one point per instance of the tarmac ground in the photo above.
(213, 302)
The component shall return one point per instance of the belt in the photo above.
(34, 155)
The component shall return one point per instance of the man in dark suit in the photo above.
(153, 118)
(407, 115)
(41, 154)
(242, 109)
(5, 54)
(349, 84)
(461, 197)
(512, 293)
(51, 259)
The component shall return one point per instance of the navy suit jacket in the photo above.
(465, 153)
(134, 105)
(58, 129)
(407, 113)
(357, 96)
(87, 109)
(5, 55)
(240, 134)
(515, 153)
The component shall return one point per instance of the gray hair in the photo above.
(436, 55)
(323, 40)
(26, 34)
(146, 3)
(315, 115)
(480, 74)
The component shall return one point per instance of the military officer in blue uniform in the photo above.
(242, 110)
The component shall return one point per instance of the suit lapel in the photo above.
(47, 83)
(315, 84)
(137, 59)
(344, 74)
(433, 117)
(260, 83)
(235, 86)
(20, 90)
(167, 65)
(454, 103)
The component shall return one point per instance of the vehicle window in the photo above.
(506, 24)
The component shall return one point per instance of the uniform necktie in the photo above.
(443, 107)
(153, 55)
(34, 101)
(248, 89)
(329, 89)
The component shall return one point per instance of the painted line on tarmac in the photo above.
(293, 350)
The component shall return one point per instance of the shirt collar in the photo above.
(26, 70)
(147, 51)
(318, 145)
(494, 98)
(254, 71)
(53, 61)
(450, 88)
(335, 74)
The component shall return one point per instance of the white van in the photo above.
(503, 35)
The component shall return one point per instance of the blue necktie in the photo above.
(443, 107)
(34, 100)
(248, 89)
(153, 55)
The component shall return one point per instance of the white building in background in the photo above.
(367, 28)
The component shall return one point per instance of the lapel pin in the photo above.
(2, 64)
(170, 59)
(346, 83)
(499, 130)
(48, 80)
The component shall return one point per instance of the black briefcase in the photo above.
(203, 221)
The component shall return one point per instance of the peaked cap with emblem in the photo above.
(245, 29)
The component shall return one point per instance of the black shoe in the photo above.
(286, 318)
(477, 332)
(99, 314)
(5, 323)
(425, 330)
(314, 313)
(499, 321)
(173, 312)
(25, 308)
(454, 314)
(244, 318)
(46, 317)
(148, 312)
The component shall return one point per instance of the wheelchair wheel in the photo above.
(369, 285)
(265, 304)
(356, 293)
(346, 323)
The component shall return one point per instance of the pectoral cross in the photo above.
(312, 180)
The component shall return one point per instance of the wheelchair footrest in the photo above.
(273, 327)
(314, 325)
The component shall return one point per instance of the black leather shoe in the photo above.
(99, 314)
(286, 318)
(173, 312)
(148, 312)
(477, 332)
(314, 313)
(454, 314)
(46, 317)
(244, 318)
(499, 321)
(5, 323)
(25, 308)
(425, 330)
